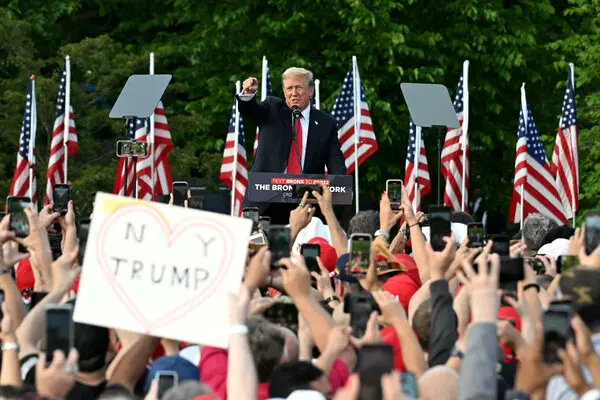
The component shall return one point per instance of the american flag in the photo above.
(419, 174)
(343, 112)
(228, 164)
(56, 166)
(565, 159)
(532, 173)
(25, 156)
(452, 153)
(268, 92)
(139, 130)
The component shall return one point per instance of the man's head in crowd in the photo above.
(92, 343)
(267, 345)
(297, 375)
(364, 222)
(297, 87)
(421, 323)
(461, 217)
(438, 383)
(535, 227)
(559, 232)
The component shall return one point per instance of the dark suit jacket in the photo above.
(274, 118)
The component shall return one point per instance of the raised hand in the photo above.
(296, 279)
(250, 85)
(56, 380)
(325, 200)
(47, 217)
(323, 280)
(387, 218)
(258, 270)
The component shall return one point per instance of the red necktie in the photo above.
(293, 167)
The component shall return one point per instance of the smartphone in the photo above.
(258, 238)
(393, 188)
(374, 360)
(180, 193)
(410, 387)
(565, 263)
(265, 222)
(285, 314)
(251, 213)
(131, 148)
(61, 195)
(592, 231)
(196, 202)
(82, 233)
(360, 253)
(18, 219)
(301, 189)
(476, 234)
(1, 301)
(439, 221)
(557, 330)
(166, 380)
(59, 329)
(501, 245)
(511, 272)
(310, 252)
(279, 243)
(360, 306)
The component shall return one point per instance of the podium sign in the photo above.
(286, 188)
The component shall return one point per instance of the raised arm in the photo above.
(129, 368)
(247, 105)
(338, 236)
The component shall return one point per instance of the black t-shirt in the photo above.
(85, 392)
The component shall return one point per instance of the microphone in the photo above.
(296, 112)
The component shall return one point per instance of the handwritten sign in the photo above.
(160, 270)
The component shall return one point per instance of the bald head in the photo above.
(438, 383)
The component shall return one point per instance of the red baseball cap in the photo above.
(328, 254)
(388, 336)
(411, 266)
(25, 280)
(402, 287)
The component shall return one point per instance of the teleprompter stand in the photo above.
(430, 106)
(138, 99)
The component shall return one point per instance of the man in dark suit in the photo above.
(316, 143)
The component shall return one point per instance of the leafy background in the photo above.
(208, 45)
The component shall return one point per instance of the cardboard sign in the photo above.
(160, 270)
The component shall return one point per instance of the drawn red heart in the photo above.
(172, 234)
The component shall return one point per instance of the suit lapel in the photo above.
(285, 114)
(312, 137)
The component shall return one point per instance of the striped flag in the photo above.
(343, 112)
(534, 186)
(420, 174)
(230, 163)
(266, 90)
(455, 146)
(139, 130)
(565, 159)
(56, 162)
(24, 182)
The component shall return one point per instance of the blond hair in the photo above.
(295, 71)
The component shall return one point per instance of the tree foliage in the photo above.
(208, 45)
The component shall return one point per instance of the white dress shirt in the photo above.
(304, 122)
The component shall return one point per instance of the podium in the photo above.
(276, 194)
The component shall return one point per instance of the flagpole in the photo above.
(464, 132)
(525, 118)
(32, 132)
(67, 117)
(263, 81)
(235, 150)
(152, 138)
(357, 97)
(416, 167)
(574, 151)
(317, 94)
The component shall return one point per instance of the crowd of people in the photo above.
(417, 324)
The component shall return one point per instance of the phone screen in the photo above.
(565, 263)
(360, 253)
(476, 234)
(394, 192)
(82, 233)
(251, 213)
(58, 330)
(180, 190)
(409, 384)
(360, 306)
(301, 189)
(61, 198)
(196, 202)
(18, 219)
(279, 242)
(310, 252)
(557, 330)
(501, 245)
(374, 360)
(592, 231)
(439, 221)
(265, 222)
(166, 380)
(511, 272)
